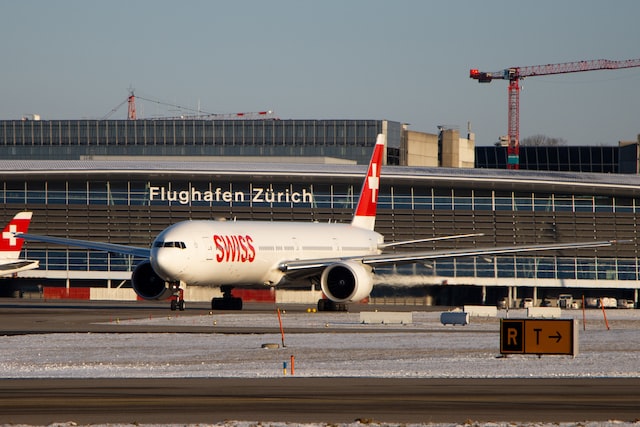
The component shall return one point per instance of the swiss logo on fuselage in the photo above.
(234, 248)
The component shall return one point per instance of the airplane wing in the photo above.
(457, 253)
(297, 266)
(86, 244)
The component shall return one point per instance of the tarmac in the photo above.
(39, 401)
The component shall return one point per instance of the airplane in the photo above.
(339, 257)
(10, 246)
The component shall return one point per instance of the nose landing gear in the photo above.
(177, 297)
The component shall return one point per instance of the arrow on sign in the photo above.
(557, 336)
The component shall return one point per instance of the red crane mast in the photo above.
(131, 113)
(515, 74)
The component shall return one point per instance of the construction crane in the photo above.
(199, 115)
(131, 113)
(515, 74)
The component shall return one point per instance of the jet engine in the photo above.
(347, 281)
(147, 283)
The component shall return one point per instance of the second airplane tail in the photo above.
(10, 246)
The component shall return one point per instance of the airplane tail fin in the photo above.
(365, 215)
(10, 246)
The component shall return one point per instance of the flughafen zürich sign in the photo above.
(255, 195)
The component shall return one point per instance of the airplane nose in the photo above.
(168, 263)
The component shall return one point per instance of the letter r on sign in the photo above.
(511, 336)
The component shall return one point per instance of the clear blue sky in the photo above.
(407, 61)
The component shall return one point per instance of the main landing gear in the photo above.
(177, 297)
(328, 305)
(227, 302)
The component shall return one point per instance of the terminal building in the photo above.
(125, 181)
(565, 158)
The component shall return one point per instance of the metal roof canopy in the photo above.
(624, 185)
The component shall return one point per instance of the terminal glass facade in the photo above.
(276, 193)
(77, 139)
(598, 159)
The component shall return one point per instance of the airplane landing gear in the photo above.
(328, 305)
(227, 302)
(177, 297)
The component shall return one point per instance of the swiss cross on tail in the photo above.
(10, 246)
(365, 216)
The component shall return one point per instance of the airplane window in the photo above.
(180, 245)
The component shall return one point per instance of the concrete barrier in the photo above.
(481, 310)
(113, 294)
(544, 312)
(288, 296)
(386, 317)
(454, 318)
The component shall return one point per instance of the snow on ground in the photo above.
(422, 349)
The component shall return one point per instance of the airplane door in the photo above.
(207, 247)
(296, 247)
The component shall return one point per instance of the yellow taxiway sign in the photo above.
(539, 336)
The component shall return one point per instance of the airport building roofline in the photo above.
(481, 179)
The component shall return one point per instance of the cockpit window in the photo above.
(161, 244)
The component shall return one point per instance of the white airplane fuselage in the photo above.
(249, 253)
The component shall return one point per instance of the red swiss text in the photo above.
(234, 248)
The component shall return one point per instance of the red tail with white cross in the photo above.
(10, 246)
(365, 216)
